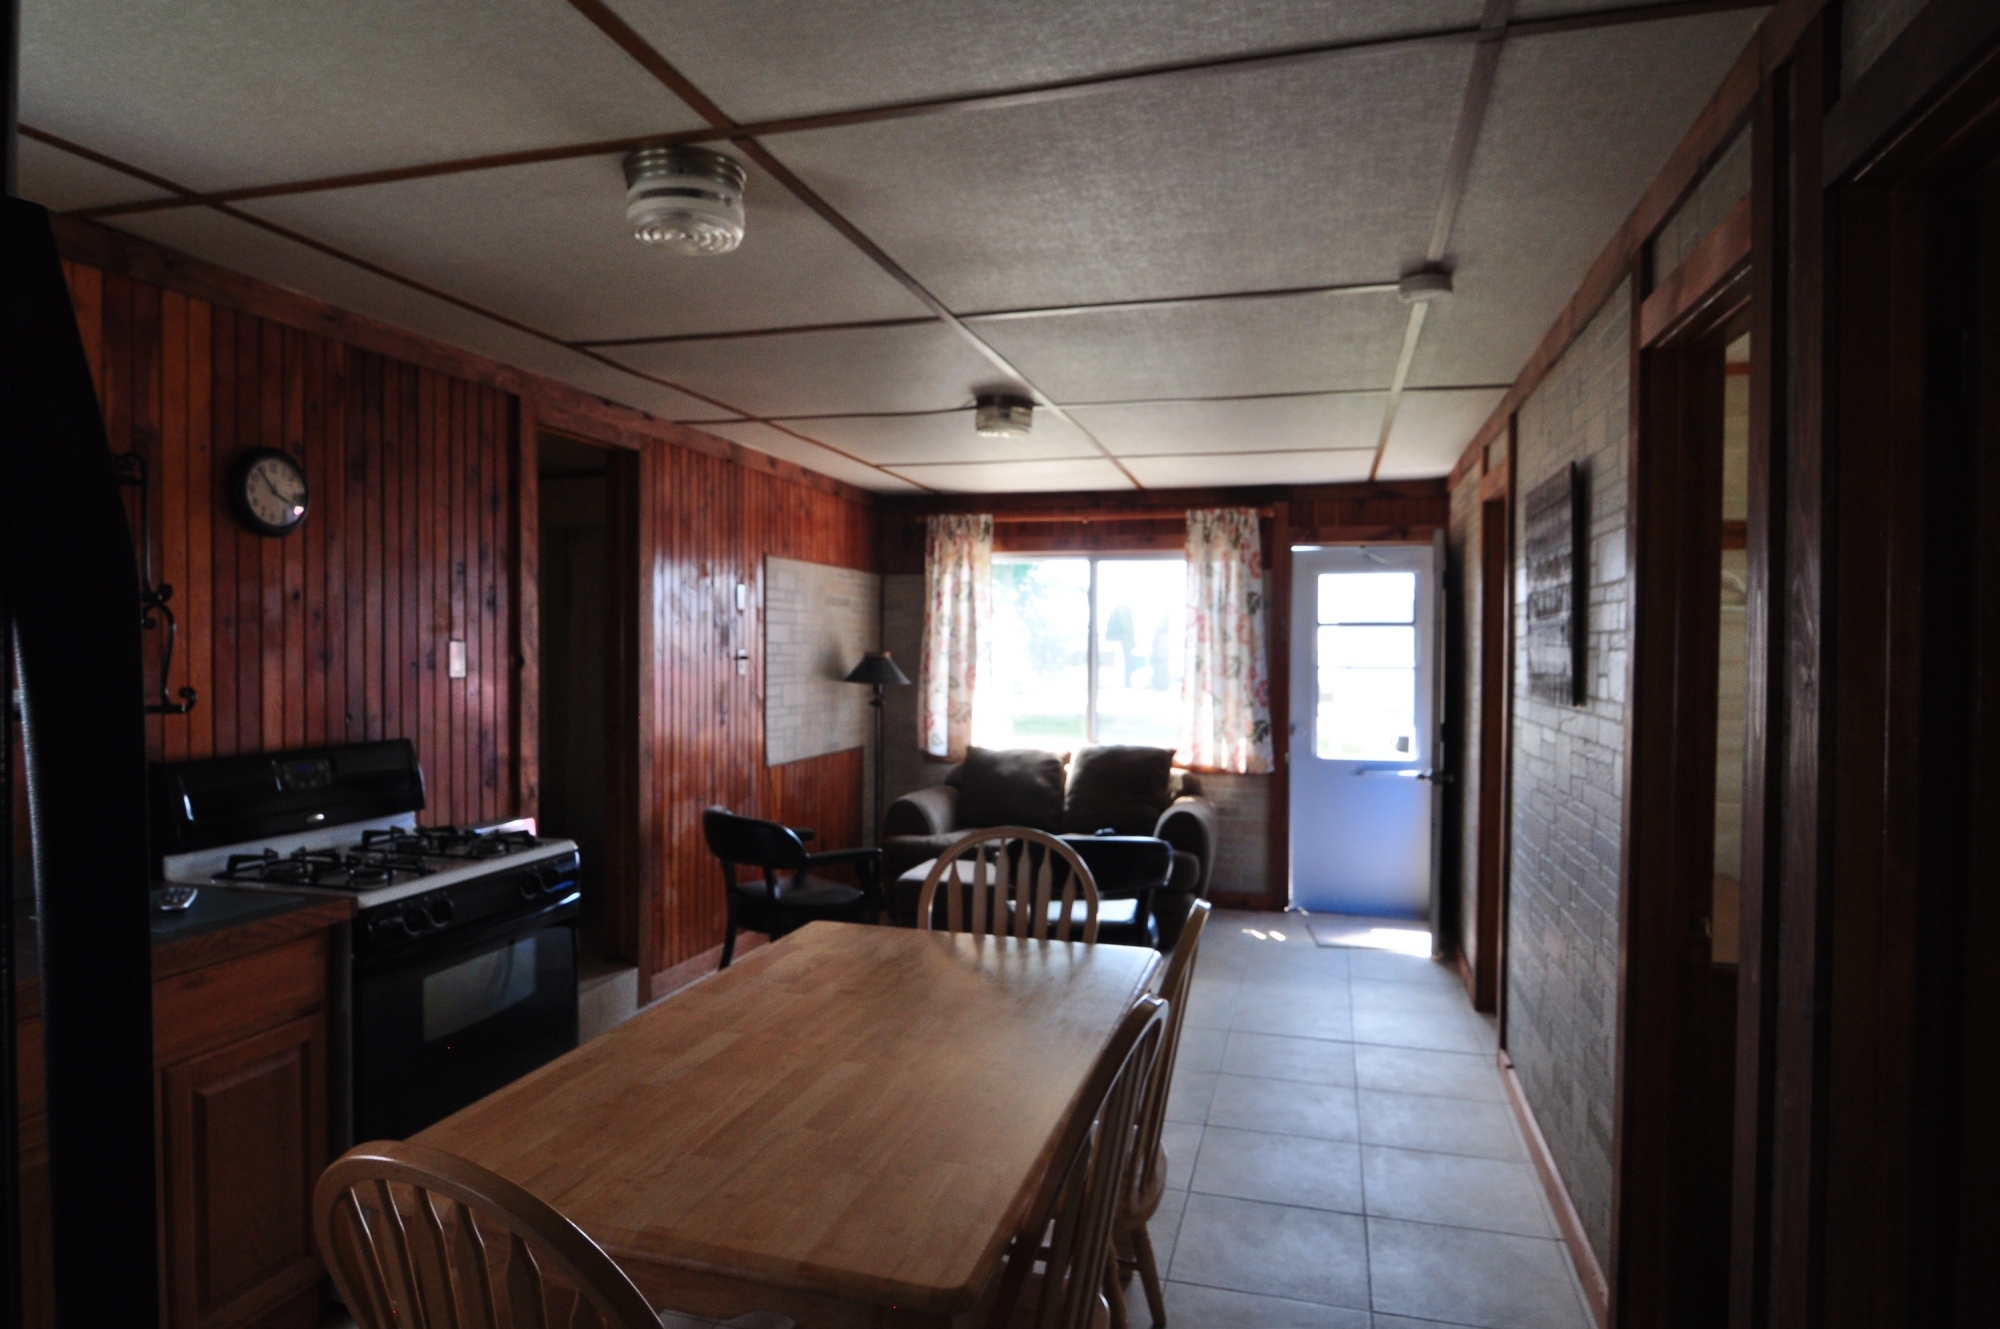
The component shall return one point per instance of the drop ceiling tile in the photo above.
(777, 443)
(1019, 477)
(1432, 429)
(1214, 349)
(944, 436)
(255, 252)
(1321, 173)
(858, 371)
(548, 245)
(1579, 125)
(1261, 424)
(229, 93)
(1253, 468)
(801, 57)
(62, 181)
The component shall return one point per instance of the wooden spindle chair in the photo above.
(1004, 881)
(1056, 1272)
(1148, 1174)
(417, 1238)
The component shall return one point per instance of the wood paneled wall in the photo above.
(706, 524)
(338, 631)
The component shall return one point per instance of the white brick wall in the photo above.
(818, 621)
(1569, 763)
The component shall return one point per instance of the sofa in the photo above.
(1128, 790)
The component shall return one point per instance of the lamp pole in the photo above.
(877, 669)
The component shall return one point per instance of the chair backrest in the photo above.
(1150, 1162)
(1069, 1229)
(1003, 881)
(417, 1238)
(763, 844)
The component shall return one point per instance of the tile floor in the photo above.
(1341, 1153)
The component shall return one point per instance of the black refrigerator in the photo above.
(73, 670)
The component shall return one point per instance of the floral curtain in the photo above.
(958, 621)
(1226, 719)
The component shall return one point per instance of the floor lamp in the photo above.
(877, 670)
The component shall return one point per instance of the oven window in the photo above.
(463, 995)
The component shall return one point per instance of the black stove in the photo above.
(329, 869)
(461, 956)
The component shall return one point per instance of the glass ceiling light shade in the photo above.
(996, 415)
(686, 199)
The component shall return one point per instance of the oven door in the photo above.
(440, 1026)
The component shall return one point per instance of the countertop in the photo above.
(222, 923)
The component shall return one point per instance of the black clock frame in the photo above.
(239, 496)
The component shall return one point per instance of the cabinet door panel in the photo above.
(244, 1138)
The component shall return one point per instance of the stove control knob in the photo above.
(416, 922)
(385, 929)
(440, 912)
(531, 887)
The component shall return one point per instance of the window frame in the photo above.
(1093, 558)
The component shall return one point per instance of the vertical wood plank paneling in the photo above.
(171, 551)
(292, 550)
(335, 632)
(271, 434)
(197, 593)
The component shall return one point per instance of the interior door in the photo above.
(1364, 729)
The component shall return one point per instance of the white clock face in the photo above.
(275, 492)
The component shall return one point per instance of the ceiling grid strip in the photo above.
(1493, 33)
(654, 63)
(1609, 16)
(334, 252)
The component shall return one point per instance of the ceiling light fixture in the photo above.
(689, 200)
(999, 415)
(1423, 284)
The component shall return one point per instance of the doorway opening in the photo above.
(1364, 750)
(588, 706)
(1697, 598)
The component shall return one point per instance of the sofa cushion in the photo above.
(1125, 788)
(1010, 787)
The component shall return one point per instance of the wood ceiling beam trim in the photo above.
(809, 417)
(677, 83)
(387, 274)
(1412, 332)
(987, 101)
(1005, 315)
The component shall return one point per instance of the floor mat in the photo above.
(1376, 934)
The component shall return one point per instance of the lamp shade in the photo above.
(877, 667)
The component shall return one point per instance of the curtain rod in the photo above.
(1131, 514)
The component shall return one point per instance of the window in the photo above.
(1367, 663)
(1086, 650)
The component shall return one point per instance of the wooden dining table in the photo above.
(846, 1126)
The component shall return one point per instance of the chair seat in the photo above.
(812, 893)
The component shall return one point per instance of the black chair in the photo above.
(1128, 870)
(772, 905)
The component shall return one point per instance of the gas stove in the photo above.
(461, 954)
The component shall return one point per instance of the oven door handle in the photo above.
(432, 944)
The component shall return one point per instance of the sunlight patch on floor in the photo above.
(1375, 934)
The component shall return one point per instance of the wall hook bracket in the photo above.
(154, 612)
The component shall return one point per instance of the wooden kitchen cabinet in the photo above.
(240, 1047)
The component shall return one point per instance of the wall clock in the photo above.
(268, 491)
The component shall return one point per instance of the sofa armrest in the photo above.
(1188, 825)
(932, 811)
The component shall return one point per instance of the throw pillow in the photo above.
(1125, 788)
(1010, 787)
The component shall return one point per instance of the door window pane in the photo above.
(1366, 656)
(1038, 697)
(1141, 617)
(1368, 597)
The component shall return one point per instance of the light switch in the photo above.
(742, 662)
(742, 596)
(455, 658)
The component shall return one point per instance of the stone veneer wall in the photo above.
(818, 621)
(1569, 776)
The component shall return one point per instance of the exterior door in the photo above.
(1364, 729)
